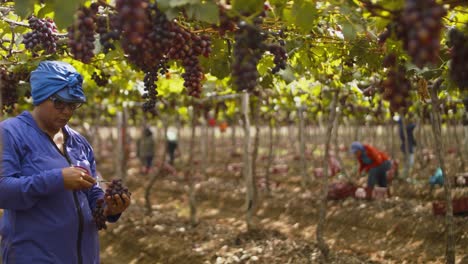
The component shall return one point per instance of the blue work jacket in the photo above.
(42, 221)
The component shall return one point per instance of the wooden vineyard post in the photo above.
(204, 145)
(303, 166)
(406, 145)
(159, 173)
(324, 182)
(270, 155)
(247, 166)
(436, 128)
(233, 136)
(256, 116)
(121, 160)
(335, 136)
(189, 173)
(460, 150)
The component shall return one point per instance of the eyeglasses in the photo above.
(60, 105)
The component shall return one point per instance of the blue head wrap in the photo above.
(355, 146)
(59, 78)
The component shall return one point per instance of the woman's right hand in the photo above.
(77, 179)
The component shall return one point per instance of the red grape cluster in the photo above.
(459, 53)
(115, 188)
(248, 50)
(98, 215)
(422, 23)
(280, 57)
(42, 34)
(8, 87)
(151, 92)
(106, 36)
(100, 79)
(396, 87)
(151, 40)
(81, 33)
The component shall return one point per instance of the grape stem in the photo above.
(16, 23)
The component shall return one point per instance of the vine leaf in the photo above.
(24, 8)
(206, 12)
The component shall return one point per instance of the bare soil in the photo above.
(400, 229)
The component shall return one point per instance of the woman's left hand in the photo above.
(116, 205)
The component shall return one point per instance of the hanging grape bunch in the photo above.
(42, 34)
(100, 79)
(106, 36)
(421, 26)
(395, 88)
(459, 53)
(81, 33)
(248, 50)
(8, 87)
(151, 40)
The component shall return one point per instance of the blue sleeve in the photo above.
(21, 192)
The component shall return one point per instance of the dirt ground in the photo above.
(400, 229)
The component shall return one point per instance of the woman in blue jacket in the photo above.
(47, 202)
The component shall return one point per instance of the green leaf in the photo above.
(265, 65)
(349, 32)
(46, 11)
(65, 12)
(247, 6)
(287, 74)
(206, 12)
(305, 13)
(177, 3)
(24, 8)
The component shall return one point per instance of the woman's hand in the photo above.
(77, 179)
(116, 205)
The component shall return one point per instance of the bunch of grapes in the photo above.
(226, 24)
(8, 87)
(459, 53)
(100, 79)
(396, 87)
(42, 34)
(280, 57)
(116, 187)
(422, 23)
(81, 33)
(151, 92)
(150, 39)
(98, 215)
(248, 50)
(106, 36)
